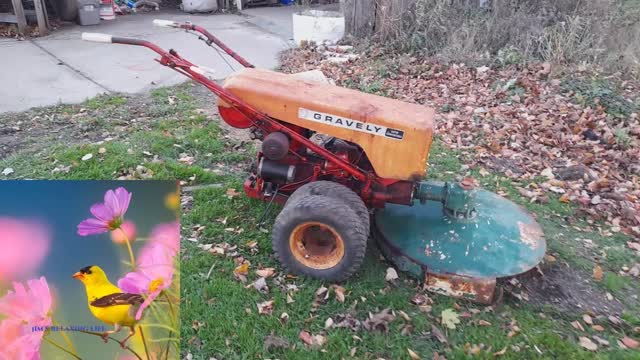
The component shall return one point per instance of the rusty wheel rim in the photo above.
(316, 245)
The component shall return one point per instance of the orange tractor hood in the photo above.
(394, 135)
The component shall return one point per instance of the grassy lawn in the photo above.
(166, 135)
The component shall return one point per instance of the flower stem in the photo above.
(61, 348)
(173, 321)
(111, 338)
(66, 339)
(173, 312)
(126, 240)
(144, 342)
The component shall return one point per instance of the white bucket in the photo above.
(318, 26)
(196, 6)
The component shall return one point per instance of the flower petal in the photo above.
(146, 303)
(102, 212)
(134, 282)
(124, 198)
(92, 226)
(117, 201)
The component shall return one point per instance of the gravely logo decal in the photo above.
(351, 124)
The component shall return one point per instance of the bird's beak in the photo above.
(78, 276)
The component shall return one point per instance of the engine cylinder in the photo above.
(271, 170)
(275, 145)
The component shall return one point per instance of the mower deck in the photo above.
(502, 240)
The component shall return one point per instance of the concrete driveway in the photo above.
(61, 68)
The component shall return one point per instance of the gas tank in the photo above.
(395, 135)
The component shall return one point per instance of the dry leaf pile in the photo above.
(520, 122)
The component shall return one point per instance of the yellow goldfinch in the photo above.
(108, 303)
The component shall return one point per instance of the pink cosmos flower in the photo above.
(24, 246)
(18, 342)
(108, 216)
(154, 273)
(129, 229)
(24, 310)
(167, 235)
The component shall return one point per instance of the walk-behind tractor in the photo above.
(347, 164)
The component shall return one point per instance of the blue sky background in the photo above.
(62, 205)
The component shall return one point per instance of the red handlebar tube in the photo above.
(220, 44)
(173, 60)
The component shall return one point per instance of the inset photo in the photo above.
(89, 270)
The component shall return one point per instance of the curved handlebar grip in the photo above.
(165, 23)
(97, 37)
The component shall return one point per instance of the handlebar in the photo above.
(97, 37)
(165, 23)
(207, 37)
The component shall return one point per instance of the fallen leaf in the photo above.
(7, 171)
(413, 355)
(548, 173)
(266, 272)
(435, 331)
(379, 321)
(501, 352)
(587, 319)
(328, 323)
(312, 340)
(242, 269)
(261, 285)
(633, 245)
(87, 157)
(404, 315)
(102, 150)
(197, 324)
(598, 327)
(586, 343)
(629, 342)
(483, 323)
(265, 308)
(601, 341)
(186, 159)
(597, 273)
(339, 290)
(420, 299)
(347, 321)
(284, 318)
(231, 193)
(289, 299)
(577, 325)
(306, 337)
(391, 274)
(450, 318)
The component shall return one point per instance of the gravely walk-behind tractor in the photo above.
(347, 164)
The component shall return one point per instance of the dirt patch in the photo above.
(564, 288)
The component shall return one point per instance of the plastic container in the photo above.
(287, 2)
(88, 12)
(199, 6)
(318, 26)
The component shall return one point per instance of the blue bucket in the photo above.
(287, 2)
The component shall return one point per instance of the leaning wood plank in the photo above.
(42, 18)
(20, 18)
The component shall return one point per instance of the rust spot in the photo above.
(468, 183)
(477, 290)
(530, 234)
